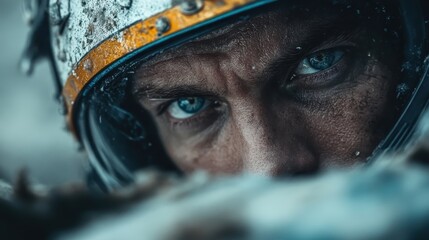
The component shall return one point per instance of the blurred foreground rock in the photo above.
(386, 200)
(389, 200)
(379, 203)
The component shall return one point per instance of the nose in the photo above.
(271, 145)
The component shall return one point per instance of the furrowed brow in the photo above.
(151, 92)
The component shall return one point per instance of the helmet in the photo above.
(97, 47)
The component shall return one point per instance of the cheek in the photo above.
(217, 153)
(348, 125)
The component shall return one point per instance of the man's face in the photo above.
(288, 92)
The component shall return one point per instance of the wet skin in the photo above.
(259, 102)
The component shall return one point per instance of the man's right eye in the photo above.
(184, 108)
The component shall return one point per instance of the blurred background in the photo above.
(32, 134)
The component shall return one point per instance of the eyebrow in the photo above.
(152, 92)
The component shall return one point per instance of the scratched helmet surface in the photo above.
(97, 45)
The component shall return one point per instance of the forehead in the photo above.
(292, 20)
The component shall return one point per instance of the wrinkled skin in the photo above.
(263, 117)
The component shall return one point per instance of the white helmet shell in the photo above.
(79, 26)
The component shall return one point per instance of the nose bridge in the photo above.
(262, 153)
(264, 150)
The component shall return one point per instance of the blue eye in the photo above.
(319, 61)
(187, 107)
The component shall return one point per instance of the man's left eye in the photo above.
(319, 61)
(187, 107)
